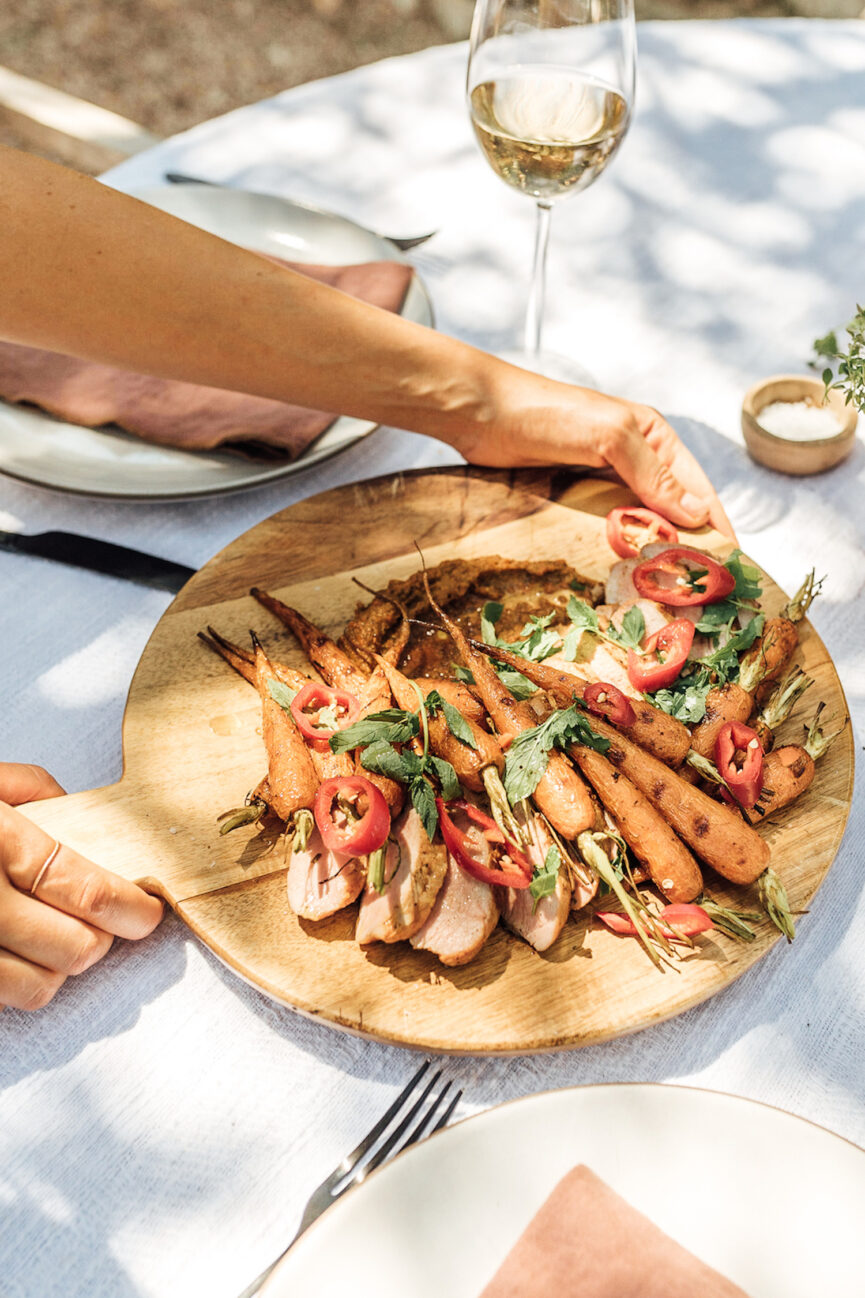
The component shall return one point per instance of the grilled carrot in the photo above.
(729, 703)
(469, 763)
(291, 775)
(660, 734)
(787, 773)
(327, 764)
(779, 706)
(561, 794)
(669, 863)
(336, 667)
(715, 832)
(769, 657)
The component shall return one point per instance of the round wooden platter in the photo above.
(192, 750)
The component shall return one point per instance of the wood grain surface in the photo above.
(192, 749)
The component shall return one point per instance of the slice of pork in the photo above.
(596, 660)
(414, 872)
(321, 882)
(464, 915)
(539, 923)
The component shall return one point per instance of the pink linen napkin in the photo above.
(188, 415)
(587, 1242)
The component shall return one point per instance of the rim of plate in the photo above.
(535, 1096)
(263, 476)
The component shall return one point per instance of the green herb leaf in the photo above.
(281, 693)
(393, 726)
(384, 759)
(490, 614)
(569, 645)
(633, 629)
(724, 662)
(424, 802)
(583, 616)
(848, 375)
(747, 579)
(456, 722)
(716, 617)
(537, 642)
(447, 777)
(528, 755)
(545, 878)
(685, 699)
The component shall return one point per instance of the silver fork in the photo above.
(403, 242)
(373, 1151)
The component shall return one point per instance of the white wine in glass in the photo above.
(550, 89)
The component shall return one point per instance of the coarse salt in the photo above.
(799, 421)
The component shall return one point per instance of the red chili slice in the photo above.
(606, 700)
(619, 519)
(665, 654)
(355, 838)
(493, 834)
(686, 918)
(309, 701)
(743, 777)
(464, 851)
(714, 583)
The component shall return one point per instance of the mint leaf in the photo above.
(281, 693)
(717, 616)
(490, 614)
(747, 579)
(528, 755)
(424, 802)
(384, 759)
(583, 616)
(392, 726)
(447, 777)
(456, 722)
(546, 877)
(569, 645)
(633, 629)
(685, 700)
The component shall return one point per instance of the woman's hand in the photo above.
(535, 421)
(58, 920)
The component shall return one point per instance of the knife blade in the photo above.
(99, 556)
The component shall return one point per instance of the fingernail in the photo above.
(696, 507)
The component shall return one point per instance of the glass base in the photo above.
(551, 365)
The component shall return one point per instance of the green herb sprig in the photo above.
(529, 754)
(846, 371)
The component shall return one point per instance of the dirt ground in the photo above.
(168, 64)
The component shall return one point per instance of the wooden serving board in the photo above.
(192, 749)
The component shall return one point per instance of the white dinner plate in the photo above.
(110, 462)
(771, 1201)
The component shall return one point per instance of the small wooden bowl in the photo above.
(782, 453)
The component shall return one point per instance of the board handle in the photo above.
(108, 827)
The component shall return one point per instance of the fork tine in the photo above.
(446, 1116)
(392, 1142)
(351, 1160)
(426, 1118)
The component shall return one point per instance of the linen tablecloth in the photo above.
(161, 1124)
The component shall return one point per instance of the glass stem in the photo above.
(535, 312)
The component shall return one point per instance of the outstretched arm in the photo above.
(96, 274)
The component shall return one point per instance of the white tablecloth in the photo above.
(161, 1124)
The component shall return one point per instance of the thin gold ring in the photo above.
(44, 868)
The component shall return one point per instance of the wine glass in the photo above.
(550, 88)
